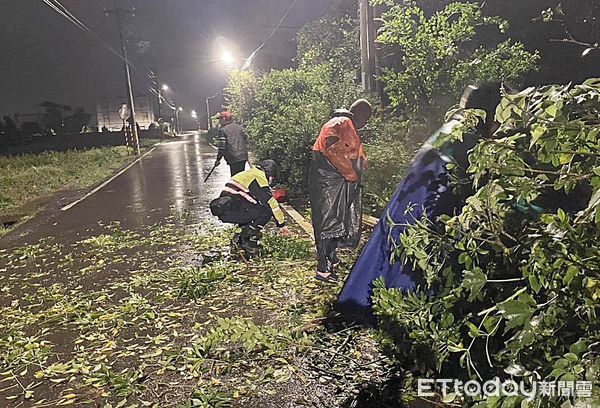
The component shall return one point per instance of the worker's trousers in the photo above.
(327, 254)
(243, 213)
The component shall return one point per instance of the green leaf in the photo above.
(473, 330)
(517, 370)
(580, 347)
(572, 272)
(516, 313)
(448, 398)
(474, 281)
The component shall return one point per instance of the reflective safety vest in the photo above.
(253, 185)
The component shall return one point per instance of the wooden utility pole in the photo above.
(119, 13)
(367, 46)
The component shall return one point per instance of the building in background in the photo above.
(26, 118)
(107, 111)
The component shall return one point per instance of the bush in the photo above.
(241, 93)
(511, 284)
(390, 146)
(283, 111)
(290, 108)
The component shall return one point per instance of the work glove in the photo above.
(285, 231)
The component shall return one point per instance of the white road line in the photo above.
(101, 186)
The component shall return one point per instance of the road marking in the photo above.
(101, 186)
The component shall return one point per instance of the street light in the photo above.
(161, 98)
(228, 58)
(209, 122)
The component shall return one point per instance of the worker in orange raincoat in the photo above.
(338, 160)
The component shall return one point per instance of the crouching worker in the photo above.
(248, 202)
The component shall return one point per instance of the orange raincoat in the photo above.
(340, 144)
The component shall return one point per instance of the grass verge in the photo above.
(26, 180)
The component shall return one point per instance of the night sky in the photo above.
(44, 57)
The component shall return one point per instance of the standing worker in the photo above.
(248, 202)
(338, 160)
(232, 143)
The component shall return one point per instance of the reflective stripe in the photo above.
(238, 185)
(238, 192)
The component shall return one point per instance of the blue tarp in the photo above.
(426, 187)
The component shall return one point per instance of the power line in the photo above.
(62, 10)
(253, 55)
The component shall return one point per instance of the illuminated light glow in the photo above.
(227, 58)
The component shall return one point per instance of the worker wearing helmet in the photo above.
(247, 201)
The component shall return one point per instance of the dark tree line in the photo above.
(56, 119)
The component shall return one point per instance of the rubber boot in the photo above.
(236, 244)
(249, 241)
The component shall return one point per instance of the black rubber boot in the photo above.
(236, 245)
(250, 241)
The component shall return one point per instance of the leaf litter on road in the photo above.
(165, 317)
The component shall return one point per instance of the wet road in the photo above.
(167, 182)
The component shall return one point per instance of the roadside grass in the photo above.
(26, 180)
(175, 321)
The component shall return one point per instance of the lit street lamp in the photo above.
(228, 58)
(161, 99)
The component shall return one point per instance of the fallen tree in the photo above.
(511, 285)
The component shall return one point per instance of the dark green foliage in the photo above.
(195, 283)
(75, 122)
(516, 275)
(332, 41)
(240, 93)
(389, 149)
(63, 118)
(286, 248)
(289, 110)
(435, 57)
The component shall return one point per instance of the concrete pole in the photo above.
(209, 122)
(367, 46)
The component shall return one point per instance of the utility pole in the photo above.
(367, 46)
(209, 121)
(119, 13)
(157, 88)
